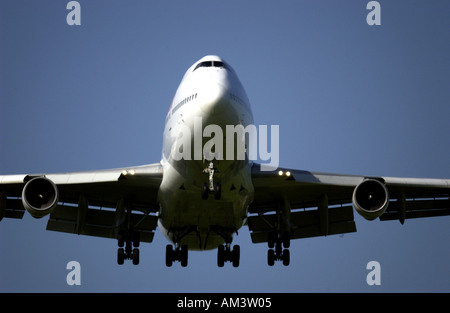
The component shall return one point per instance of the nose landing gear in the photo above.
(211, 186)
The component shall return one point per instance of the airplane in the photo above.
(201, 193)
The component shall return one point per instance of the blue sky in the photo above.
(349, 98)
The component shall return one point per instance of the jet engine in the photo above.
(370, 198)
(40, 196)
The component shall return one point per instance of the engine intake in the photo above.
(370, 198)
(40, 196)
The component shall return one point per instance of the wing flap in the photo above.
(11, 208)
(416, 208)
(99, 222)
(304, 224)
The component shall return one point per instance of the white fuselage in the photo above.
(210, 93)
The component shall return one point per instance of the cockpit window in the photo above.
(219, 64)
(204, 64)
(211, 64)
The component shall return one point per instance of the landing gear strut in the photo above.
(278, 241)
(131, 240)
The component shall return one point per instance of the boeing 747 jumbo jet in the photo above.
(209, 184)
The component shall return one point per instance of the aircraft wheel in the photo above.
(169, 255)
(286, 257)
(270, 257)
(135, 256)
(120, 256)
(221, 256)
(184, 255)
(235, 255)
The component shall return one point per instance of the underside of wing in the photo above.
(95, 203)
(416, 198)
(298, 204)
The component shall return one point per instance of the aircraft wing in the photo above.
(306, 204)
(94, 203)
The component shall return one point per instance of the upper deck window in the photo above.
(211, 64)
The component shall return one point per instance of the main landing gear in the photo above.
(278, 241)
(180, 254)
(211, 186)
(131, 240)
(226, 254)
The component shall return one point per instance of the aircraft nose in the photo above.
(214, 99)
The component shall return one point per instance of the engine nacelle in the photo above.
(40, 196)
(370, 199)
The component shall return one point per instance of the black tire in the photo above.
(236, 255)
(120, 256)
(286, 257)
(271, 257)
(184, 255)
(169, 255)
(135, 256)
(220, 256)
